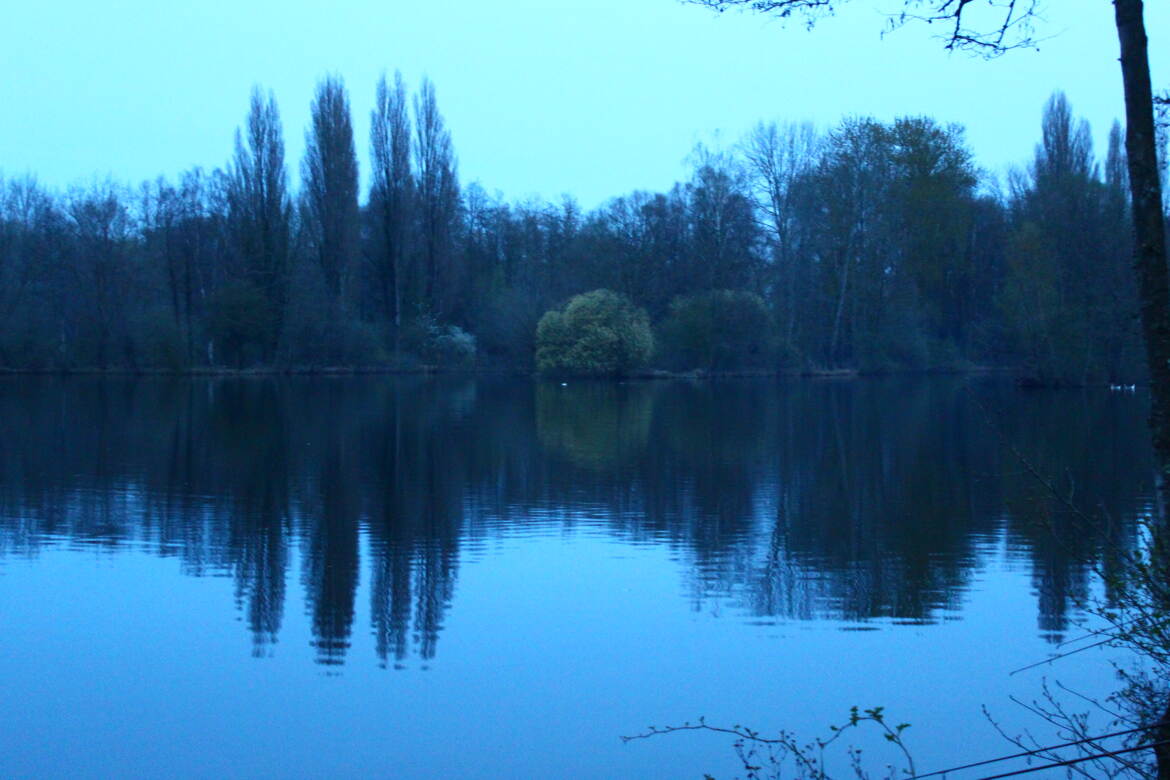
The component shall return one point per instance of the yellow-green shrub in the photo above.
(598, 333)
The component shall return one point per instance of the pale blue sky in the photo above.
(542, 97)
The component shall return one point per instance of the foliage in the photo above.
(447, 346)
(720, 330)
(258, 217)
(505, 327)
(599, 333)
(330, 198)
(319, 332)
(1069, 297)
(872, 247)
(241, 323)
(319, 341)
(161, 342)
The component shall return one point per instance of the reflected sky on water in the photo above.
(489, 577)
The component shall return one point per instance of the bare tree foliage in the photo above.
(724, 232)
(778, 157)
(259, 213)
(989, 27)
(391, 193)
(330, 181)
(1070, 291)
(329, 229)
(438, 197)
(101, 229)
(25, 213)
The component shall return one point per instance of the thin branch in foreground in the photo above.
(1080, 759)
(1027, 753)
(810, 757)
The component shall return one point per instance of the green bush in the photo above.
(598, 333)
(720, 330)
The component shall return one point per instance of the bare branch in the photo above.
(985, 27)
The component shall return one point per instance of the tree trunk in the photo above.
(1149, 229)
(1149, 261)
(1161, 733)
(839, 312)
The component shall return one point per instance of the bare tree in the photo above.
(24, 208)
(102, 229)
(178, 236)
(724, 234)
(259, 211)
(391, 191)
(438, 193)
(777, 157)
(330, 176)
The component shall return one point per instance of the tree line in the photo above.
(872, 246)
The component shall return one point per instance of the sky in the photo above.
(542, 97)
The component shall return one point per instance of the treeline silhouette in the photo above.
(873, 246)
(844, 501)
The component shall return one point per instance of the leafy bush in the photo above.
(598, 333)
(448, 346)
(453, 347)
(720, 330)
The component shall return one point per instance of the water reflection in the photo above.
(598, 426)
(859, 501)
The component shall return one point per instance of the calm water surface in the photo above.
(492, 578)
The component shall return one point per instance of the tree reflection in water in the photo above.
(854, 501)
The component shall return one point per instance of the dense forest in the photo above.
(870, 246)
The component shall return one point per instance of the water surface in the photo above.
(418, 577)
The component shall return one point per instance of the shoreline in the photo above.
(425, 370)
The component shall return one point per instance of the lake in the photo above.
(488, 577)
